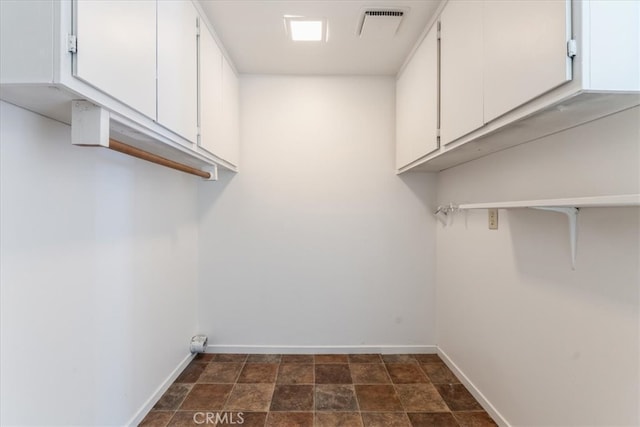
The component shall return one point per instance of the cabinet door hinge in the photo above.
(572, 48)
(72, 43)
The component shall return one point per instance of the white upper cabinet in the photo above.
(461, 69)
(513, 71)
(135, 60)
(525, 51)
(417, 103)
(219, 125)
(178, 67)
(229, 145)
(116, 50)
(614, 49)
(210, 92)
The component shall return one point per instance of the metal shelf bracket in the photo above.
(572, 215)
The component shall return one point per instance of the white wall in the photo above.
(98, 276)
(547, 345)
(316, 242)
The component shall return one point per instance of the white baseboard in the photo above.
(482, 400)
(322, 349)
(146, 407)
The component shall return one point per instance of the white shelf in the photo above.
(622, 200)
(569, 207)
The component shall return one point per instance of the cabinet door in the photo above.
(178, 67)
(417, 103)
(210, 92)
(117, 50)
(461, 109)
(525, 48)
(230, 142)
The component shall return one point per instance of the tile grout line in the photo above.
(226, 401)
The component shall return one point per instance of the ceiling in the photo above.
(254, 36)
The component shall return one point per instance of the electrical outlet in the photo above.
(493, 219)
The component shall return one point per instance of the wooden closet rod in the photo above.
(144, 155)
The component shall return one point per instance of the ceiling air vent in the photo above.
(380, 23)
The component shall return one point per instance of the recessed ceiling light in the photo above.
(304, 29)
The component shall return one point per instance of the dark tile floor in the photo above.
(367, 390)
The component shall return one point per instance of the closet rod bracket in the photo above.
(90, 127)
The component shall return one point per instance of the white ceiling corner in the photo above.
(253, 34)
